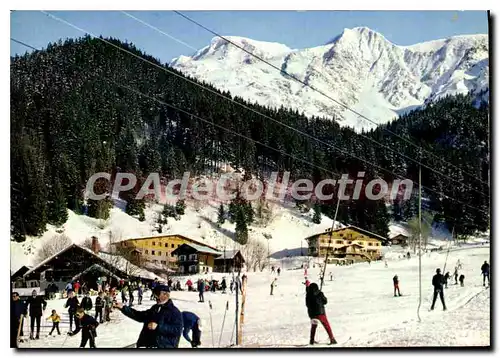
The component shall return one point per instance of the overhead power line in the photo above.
(24, 44)
(230, 99)
(322, 93)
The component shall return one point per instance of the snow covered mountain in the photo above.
(359, 68)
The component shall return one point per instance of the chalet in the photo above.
(399, 239)
(195, 258)
(350, 243)
(229, 261)
(86, 265)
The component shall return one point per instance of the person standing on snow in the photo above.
(37, 305)
(86, 303)
(88, 326)
(461, 279)
(223, 285)
(139, 294)
(17, 311)
(191, 322)
(437, 282)
(273, 284)
(76, 287)
(395, 281)
(279, 271)
(162, 321)
(315, 303)
(201, 290)
(56, 319)
(99, 305)
(72, 305)
(485, 271)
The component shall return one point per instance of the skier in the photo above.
(189, 284)
(446, 278)
(153, 286)
(108, 304)
(223, 285)
(37, 305)
(231, 285)
(68, 288)
(485, 270)
(139, 294)
(437, 282)
(72, 305)
(455, 274)
(461, 279)
(307, 283)
(395, 281)
(124, 290)
(331, 276)
(279, 271)
(201, 290)
(385, 264)
(130, 295)
(459, 264)
(99, 304)
(88, 327)
(272, 269)
(315, 302)
(273, 284)
(191, 322)
(162, 322)
(54, 317)
(86, 303)
(17, 311)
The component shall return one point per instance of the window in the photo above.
(153, 252)
(193, 257)
(164, 262)
(166, 245)
(349, 242)
(154, 243)
(192, 268)
(370, 244)
(155, 261)
(182, 258)
(147, 252)
(173, 246)
(339, 242)
(172, 254)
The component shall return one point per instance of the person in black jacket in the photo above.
(88, 327)
(86, 302)
(72, 305)
(315, 302)
(99, 305)
(37, 305)
(395, 281)
(437, 282)
(162, 322)
(17, 313)
(485, 270)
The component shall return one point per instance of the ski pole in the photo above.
(223, 320)
(211, 325)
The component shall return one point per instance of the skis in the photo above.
(223, 320)
(211, 325)
(284, 345)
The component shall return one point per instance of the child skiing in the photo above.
(191, 322)
(99, 305)
(54, 317)
(88, 327)
(315, 302)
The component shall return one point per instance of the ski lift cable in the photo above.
(303, 133)
(24, 44)
(230, 99)
(322, 93)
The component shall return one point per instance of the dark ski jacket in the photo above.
(201, 286)
(395, 280)
(88, 326)
(485, 268)
(99, 303)
(87, 303)
(437, 281)
(37, 305)
(315, 301)
(168, 332)
(139, 291)
(17, 309)
(189, 320)
(72, 304)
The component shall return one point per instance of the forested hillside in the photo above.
(71, 117)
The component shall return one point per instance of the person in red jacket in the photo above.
(315, 302)
(76, 287)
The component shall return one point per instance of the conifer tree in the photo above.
(317, 214)
(221, 217)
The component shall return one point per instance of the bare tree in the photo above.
(87, 243)
(255, 254)
(415, 230)
(124, 258)
(52, 246)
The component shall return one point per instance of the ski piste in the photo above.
(291, 345)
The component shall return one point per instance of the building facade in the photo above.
(195, 258)
(157, 250)
(350, 243)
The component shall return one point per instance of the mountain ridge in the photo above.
(359, 68)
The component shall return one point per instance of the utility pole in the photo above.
(224, 259)
(329, 242)
(419, 241)
(268, 237)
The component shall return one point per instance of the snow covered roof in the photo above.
(228, 255)
(94, 267)
(200, 248)
(363, 231)
(164, 236)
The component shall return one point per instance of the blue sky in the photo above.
(296, 29)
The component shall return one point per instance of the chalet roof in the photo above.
(20, 272)
(164, 236)
(352, 227)
(94, 267)
(228, 255)
(116, 261)
(199, 248)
